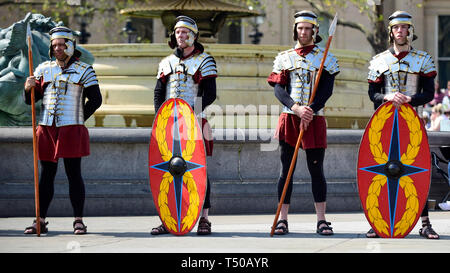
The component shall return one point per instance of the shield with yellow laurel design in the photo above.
(177, 166)
(394, 170)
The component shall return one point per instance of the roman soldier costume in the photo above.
(64, 91)
(296, 70)
(193, 79)
(293, 77)
(70, 95)
(409, 72)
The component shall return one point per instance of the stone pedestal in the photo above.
(243, 171)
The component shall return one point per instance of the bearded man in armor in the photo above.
(190, 74)
(402, 74)
(70, 94)
(293, 77)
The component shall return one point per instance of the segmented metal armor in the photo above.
(302, 73)
(63, 96)
(181, 73)
(401, 75)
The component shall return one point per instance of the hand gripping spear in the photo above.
(300, 136)
(33, 119)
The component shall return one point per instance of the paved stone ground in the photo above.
(231, 234)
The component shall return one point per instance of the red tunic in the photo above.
(207, 137)
(62, 142)
(315, 136)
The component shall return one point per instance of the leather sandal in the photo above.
(33, 230)
(161, 229)
(284, 229)
(427, 230)
(372, 234)
(79, 230)
(320, 231)
(204, 227)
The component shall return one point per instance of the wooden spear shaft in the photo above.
(300, 136)
(35, 151)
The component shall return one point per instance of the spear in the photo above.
(35, 151)
(300, 136)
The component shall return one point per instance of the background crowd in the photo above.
(437, 111)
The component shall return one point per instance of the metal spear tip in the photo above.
(29, 33)
(333, 25)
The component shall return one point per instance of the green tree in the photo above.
(376, 34)
(65, 10)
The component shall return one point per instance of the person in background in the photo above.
(438, 95)
(426, 120)
(446, 99)
(436, 117)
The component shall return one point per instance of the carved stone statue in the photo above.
(14, 65)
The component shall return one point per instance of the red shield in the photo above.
(394, 170)
(177, 166)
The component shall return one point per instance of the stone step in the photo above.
(133, 197)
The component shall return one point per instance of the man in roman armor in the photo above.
(293, 77)
(190, 74)
(70, 95)
(402, 74)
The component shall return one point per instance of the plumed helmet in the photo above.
(187, 22)
(308, 17)
(401, 17)
(62, 32)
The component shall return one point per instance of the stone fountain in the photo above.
(210, 15)
(245, 101)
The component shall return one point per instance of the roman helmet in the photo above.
(401, 17)
(67, 34)
(189, 23)
(309, 17)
